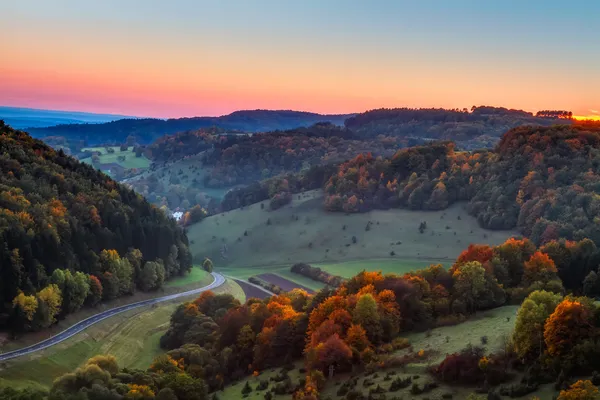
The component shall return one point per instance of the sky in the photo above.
(196, 57)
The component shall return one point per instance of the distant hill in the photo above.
(482, 127)
(147, 130)
(21, 118)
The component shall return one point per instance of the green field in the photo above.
(400, 266)
(196, 276)
(133, 337)
(390, 240)
(131, 161)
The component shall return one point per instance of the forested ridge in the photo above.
(146, 130)
(463, 126)
(545, 181)
(71, 236)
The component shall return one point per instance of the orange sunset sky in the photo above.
(186, 58)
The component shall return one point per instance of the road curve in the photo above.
(82, 325)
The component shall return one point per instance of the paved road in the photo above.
(80, 326)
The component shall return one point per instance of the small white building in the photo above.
(177, 215)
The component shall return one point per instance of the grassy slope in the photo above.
(133, 337)
(131, 160)
(197, 276)
(304, 232)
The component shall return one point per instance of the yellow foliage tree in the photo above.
(27, 304)
(52, 296)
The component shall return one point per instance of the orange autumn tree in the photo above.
(357, 338)
(580, 390)
(139, 392)
(568, 325)
(475, 252)
(540, 267)
(334, 351)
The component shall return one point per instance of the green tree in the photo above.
(207, 265)
(367, 315)
(528, 335)
(470, 283)
(51, 296)
(152, 276)
(135, 257)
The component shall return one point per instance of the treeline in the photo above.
(543, 181)
(442, 124)
(215, 340)
(317, 274)
(271, 287)
(57, 214)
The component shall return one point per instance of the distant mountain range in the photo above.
(21, 118)
(146, 130)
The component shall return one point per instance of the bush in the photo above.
(518, 389)
(280, 199)
(399, 383)
(246, 389)
(262, 385)
(461, 367)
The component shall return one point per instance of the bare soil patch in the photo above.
(283, 283)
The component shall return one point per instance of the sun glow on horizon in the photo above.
(586, 117)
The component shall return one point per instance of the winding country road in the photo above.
(82, 325)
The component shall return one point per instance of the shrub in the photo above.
(461, 367)
(246, 389)
(399, 383)
(262, 385)
(280, 199)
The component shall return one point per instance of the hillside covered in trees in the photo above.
(146, 130)
(543, 180)
(476, 128)
(71, 236)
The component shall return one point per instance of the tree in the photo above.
(95, 294)
(367, 316)
(151, 276)
(357, 337)
(110, 285)
(539, 267)
(135, 257)
(58, 278)
(75, 291)
(470, 283)
(591, 285)
(207, 265)
(528, 335)
(334, 351)
(172, 264)
(27, 305)
(580, 390)
(51, 296)
(569, 324)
